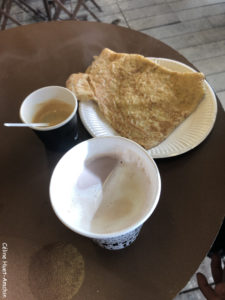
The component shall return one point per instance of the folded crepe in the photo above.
(140, 99)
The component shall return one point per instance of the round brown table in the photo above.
(172, 243)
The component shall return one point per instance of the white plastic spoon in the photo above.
(25, 124)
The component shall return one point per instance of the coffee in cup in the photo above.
(52, 112)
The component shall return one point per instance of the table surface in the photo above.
(41, 251)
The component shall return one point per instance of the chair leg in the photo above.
(98, 7)
(1, 9)
(6, 17)
(91, 13)
(57, 9)
(47, 9)
(79, 3)
(72, 15)
(5, 13)
(61, 6)
(36, 12)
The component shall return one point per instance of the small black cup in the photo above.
(61, 136)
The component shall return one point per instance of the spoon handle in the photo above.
(25, 124)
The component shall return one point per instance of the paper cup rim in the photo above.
(57, 125)
(123, 231)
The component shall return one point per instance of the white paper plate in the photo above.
(185, 137)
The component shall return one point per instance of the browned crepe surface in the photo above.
(139, 99)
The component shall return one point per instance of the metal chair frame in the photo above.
(58, 4)
(5, 12)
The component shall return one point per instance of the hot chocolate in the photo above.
(105, 188)
(111, 193)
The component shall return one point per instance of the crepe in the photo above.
(141, 100)
(79, 84)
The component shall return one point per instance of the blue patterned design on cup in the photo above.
(119, 242)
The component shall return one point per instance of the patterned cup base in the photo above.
(119, 242)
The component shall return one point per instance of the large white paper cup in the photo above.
(61, 135)
(67, 176)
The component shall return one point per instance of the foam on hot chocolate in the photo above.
(111, 193)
